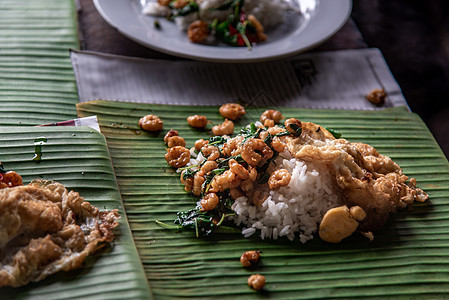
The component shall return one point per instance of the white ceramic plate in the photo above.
(299, 32)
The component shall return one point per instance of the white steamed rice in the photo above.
(294, 210)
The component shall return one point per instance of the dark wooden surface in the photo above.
(413, 35)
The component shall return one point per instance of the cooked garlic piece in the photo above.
(340, 222)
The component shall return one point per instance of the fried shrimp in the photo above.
(198, 31)
(200, 144)
(252, 173)
(177, 156)
(261, 36)
(170, 134)
(188, 182)
(247, 185)
(278, 179)
(211, 152)
(263, 135)
(227, 128)
(209, 202)
(175, 141)
(292, 125)
(151, 123)
(250, 258)
(232, 111)
(251, 149)
(208, 166)
(277, 144)
(231, 147)
(275, 130)
(198, 181)
(268, 123)
(377, 97)
(256, 281)
(238, 169)
(271, 114)
(227, 180)
(164, 2)
(197, 121)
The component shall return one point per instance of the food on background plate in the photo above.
(235, 22)
(45, 229)
(290, 180)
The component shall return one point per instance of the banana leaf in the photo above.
(37, 82)
(78, 158)
(407, 259)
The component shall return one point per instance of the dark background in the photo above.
(414, 39)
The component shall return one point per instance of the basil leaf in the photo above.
(188, 173)
(334, 132)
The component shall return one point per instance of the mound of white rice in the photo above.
(294, 210)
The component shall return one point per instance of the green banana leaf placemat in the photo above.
(409, 257)
(78, 158)
(37, 82)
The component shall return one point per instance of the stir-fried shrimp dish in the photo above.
(289, 178)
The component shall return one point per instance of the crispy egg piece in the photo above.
(44, 229)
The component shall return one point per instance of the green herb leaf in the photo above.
(284, 133)
(253, 128)
(191, 7)
(268, 139)
(218, 171)
(296, 128)
(334, 132)
(263, 178)
(197, 220)
(38, 148)
(217, 140)
(188, 173)
(242, 28)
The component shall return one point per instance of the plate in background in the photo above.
(300, 32)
